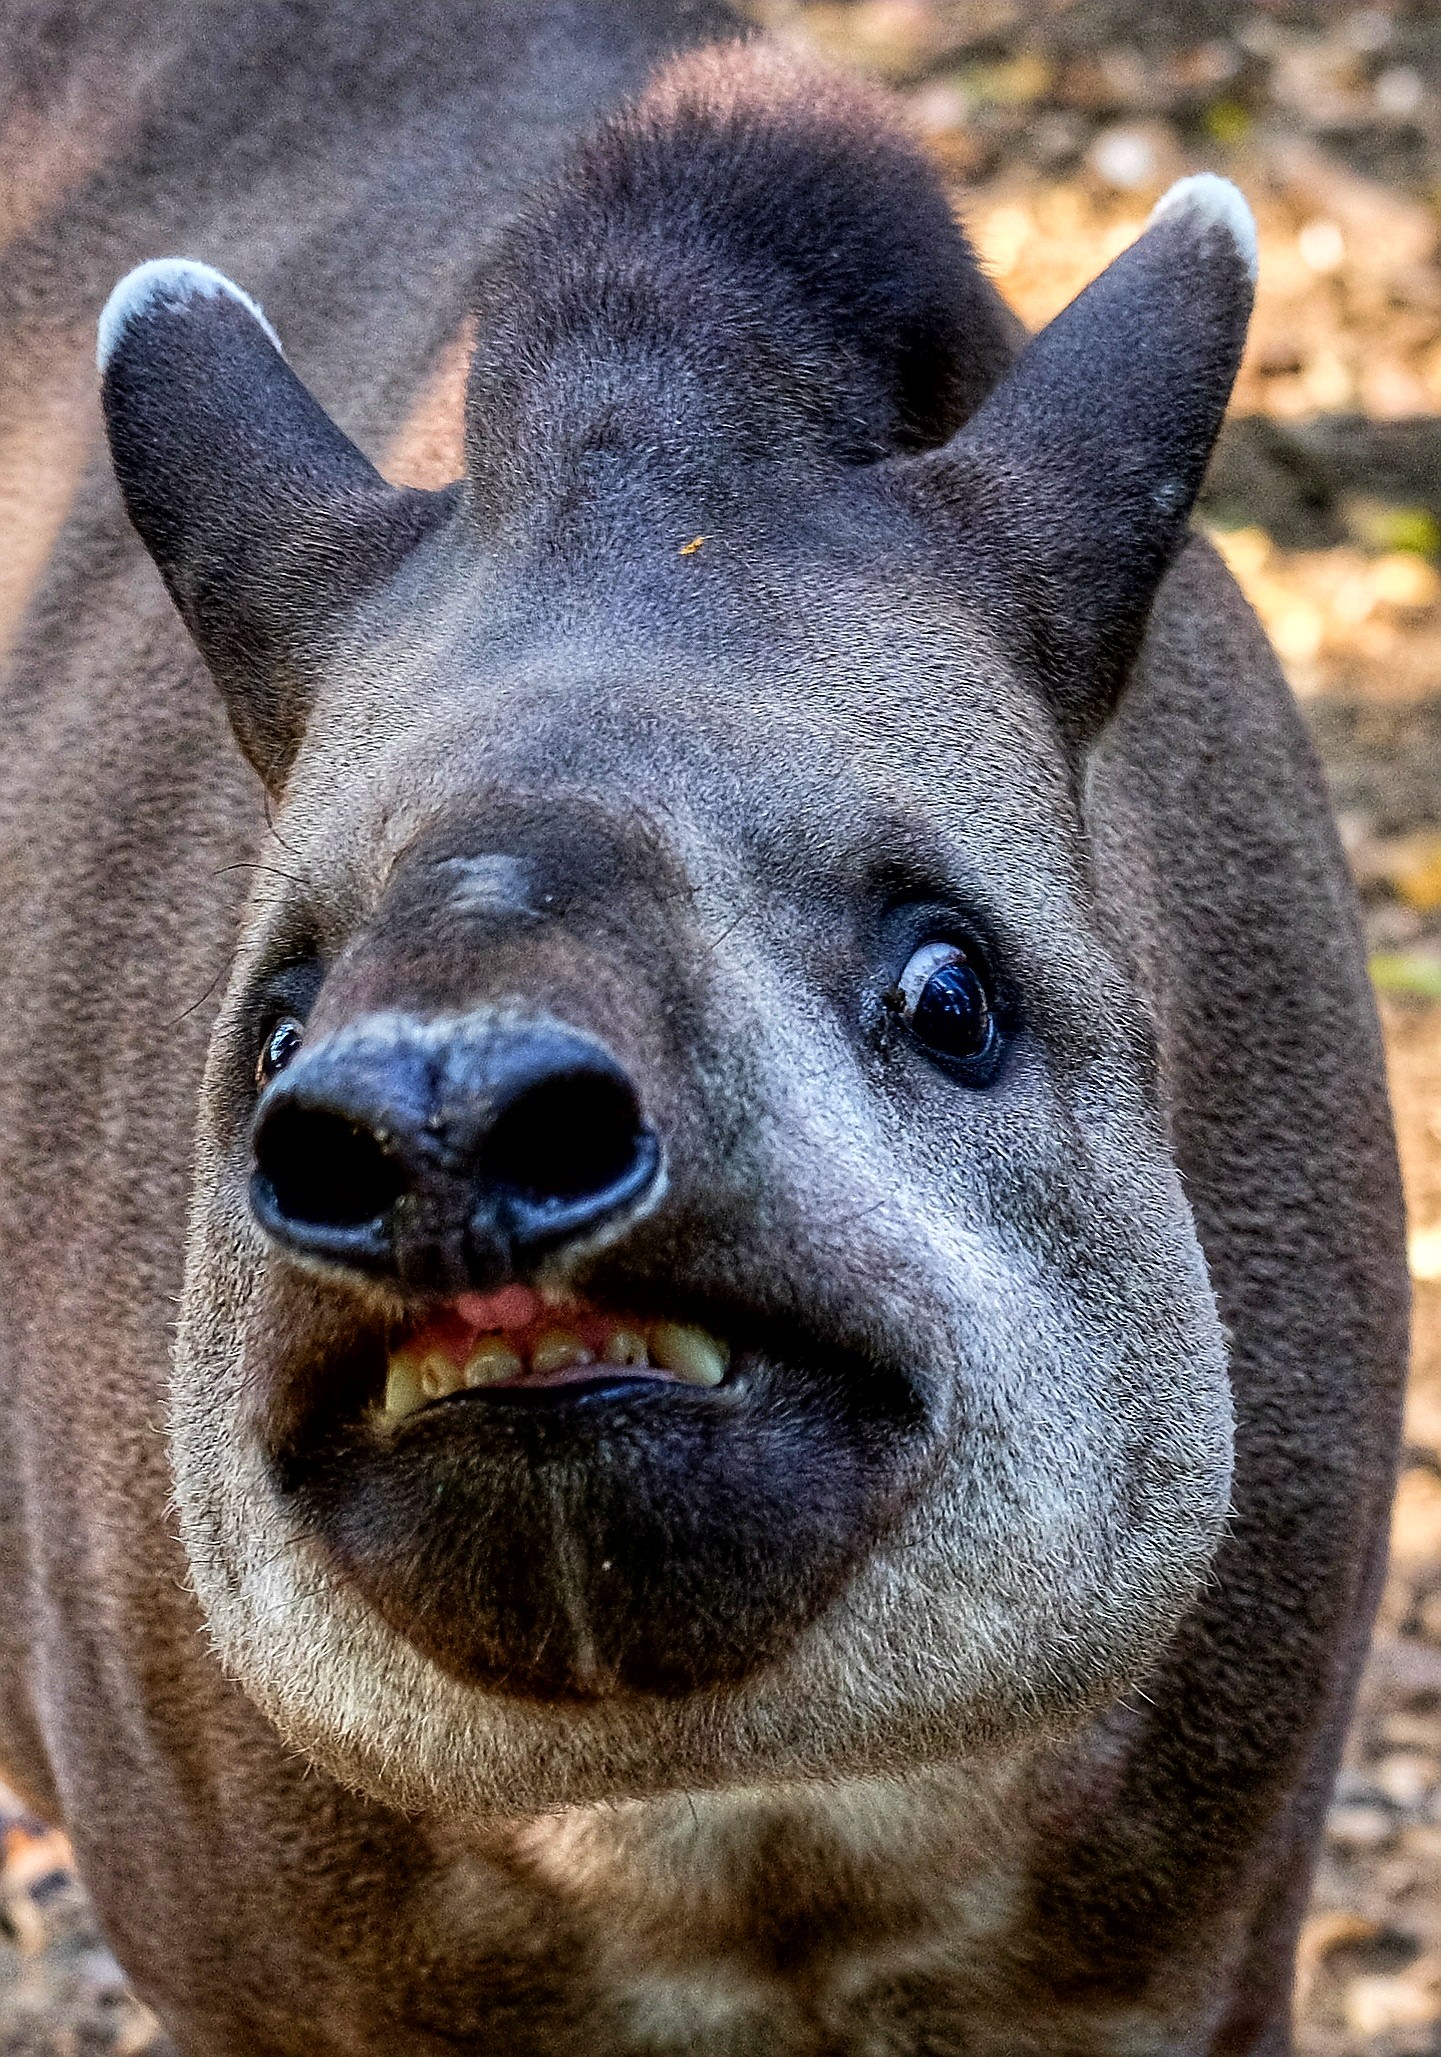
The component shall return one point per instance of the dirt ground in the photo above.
(1059, 122)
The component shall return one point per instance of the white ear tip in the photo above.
(171, 281)
(1213, 200)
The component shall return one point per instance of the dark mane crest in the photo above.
(752, 255)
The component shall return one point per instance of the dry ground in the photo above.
(1059, 124)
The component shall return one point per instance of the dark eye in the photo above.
(943, 1001)
(279, 1047)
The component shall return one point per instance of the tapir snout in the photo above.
(449, 1155)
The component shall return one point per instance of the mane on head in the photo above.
(752, 257)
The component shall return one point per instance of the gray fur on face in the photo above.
(1026, 1252)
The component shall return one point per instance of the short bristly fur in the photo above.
(965, 1672)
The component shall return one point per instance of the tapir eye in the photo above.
(942, 998)
(279, 1047)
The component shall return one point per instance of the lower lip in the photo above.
(588, 1383)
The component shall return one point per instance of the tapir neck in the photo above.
(796, 1873)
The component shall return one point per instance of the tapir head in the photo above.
(688, 1281)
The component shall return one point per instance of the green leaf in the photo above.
(1413, 972)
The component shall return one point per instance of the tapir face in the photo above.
(688, 1282)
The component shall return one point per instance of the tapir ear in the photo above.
(264, 519)
(1070, 488)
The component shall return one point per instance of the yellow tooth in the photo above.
(690, 1353)
(490, 1361)
(438, 1376)
(403, 1390)
(556, 1349)
(626, 1346)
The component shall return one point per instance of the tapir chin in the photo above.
(700, 1256)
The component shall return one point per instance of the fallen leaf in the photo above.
(1376, 2005)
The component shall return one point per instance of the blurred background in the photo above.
(1058, 123)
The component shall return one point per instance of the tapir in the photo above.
(701, 1282)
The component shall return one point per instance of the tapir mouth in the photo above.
(637, 1487)
(518, 1339)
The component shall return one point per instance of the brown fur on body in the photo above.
(1127, 1879)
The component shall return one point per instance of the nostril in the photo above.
(324, 1170)
(566, 1138)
